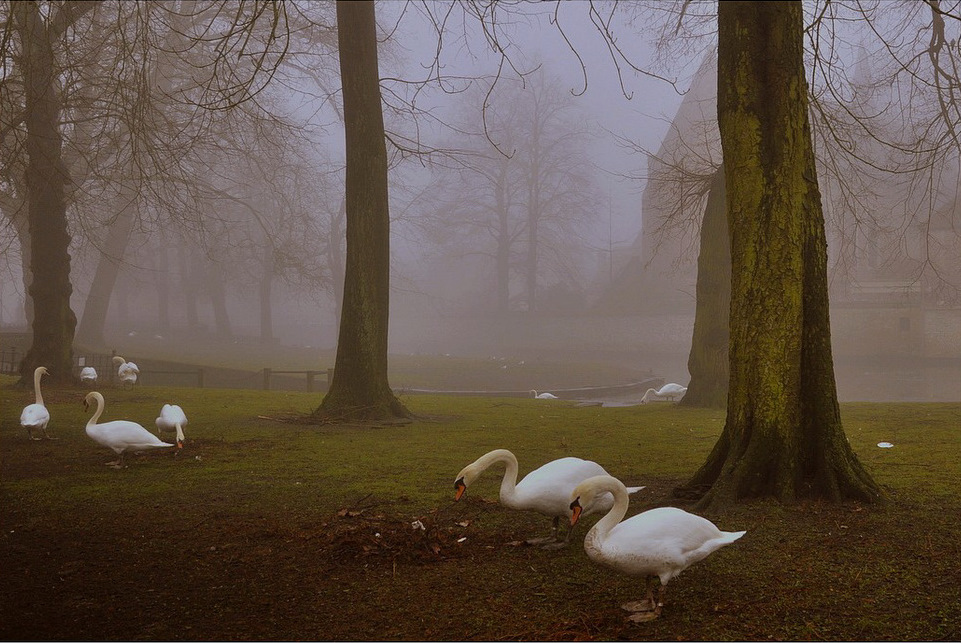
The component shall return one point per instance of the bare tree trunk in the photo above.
(90, 331)
(504, 240)
(783, 435)
(188, 285)
(360, 389)
(335, 258)
(708, 362)
(54, 322)
(162, 280)
(266, 287)
(218, 299)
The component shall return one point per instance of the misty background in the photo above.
(246, 247)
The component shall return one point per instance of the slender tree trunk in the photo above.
(218, 299)
(708, 362)
(783, 435)
(162, 280)
(266, 287)
(335, 258)
(503, 239)
(188, 285)
(94, 318)
(54, 322)
(360, 389)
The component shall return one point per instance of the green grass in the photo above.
(239, 536)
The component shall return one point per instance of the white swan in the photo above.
(669, 391)
(660, 542)
(120, 435)
(545, 490)
(127, 371)
(543, 396)
(36, 415)
(172, 419)
(88, 375)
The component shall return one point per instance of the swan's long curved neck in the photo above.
(509, 481)
(96, 415)
(603, 526)
(37, 374)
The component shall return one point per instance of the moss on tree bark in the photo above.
(783, 435)
(708, 359)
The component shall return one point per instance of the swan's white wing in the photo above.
(548, 488)
(671, 389)
(35, 416)
(124, 435)
(170, 416)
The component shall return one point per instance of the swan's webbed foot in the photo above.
(646, 605)
(554, 546)
(546, 540)
(644, 617)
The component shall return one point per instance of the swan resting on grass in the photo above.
(36, 416)
(668, 391)
(172, 419)
(660, 542)
(119, 435)
(545, 490)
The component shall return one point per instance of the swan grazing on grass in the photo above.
(172, 419)
(545, 490)
(668, 391)
(660, 542)
(127, 371)
(120, 435)
(88, 375)
(543, 396)
(36, 415)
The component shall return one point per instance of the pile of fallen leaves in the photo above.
(362, 532)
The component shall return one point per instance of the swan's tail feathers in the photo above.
(634, 489)
(730, 536)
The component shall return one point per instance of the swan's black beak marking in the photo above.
(576, 510)
(459, 488)
(86, 405)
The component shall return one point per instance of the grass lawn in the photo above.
(266, 528)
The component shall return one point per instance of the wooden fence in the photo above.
(10, 358)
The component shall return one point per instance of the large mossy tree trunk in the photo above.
(708, 362)
(783, 436)
(53, 321)
(360, 390)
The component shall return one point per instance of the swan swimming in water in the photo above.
(668, 391)
(545, 490)
(660, 542)
(36, 415)
(543, 396)
(119, 435)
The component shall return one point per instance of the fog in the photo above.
(615, 273)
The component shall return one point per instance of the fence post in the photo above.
(266, 379)
(200, 378)
(310, 381)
